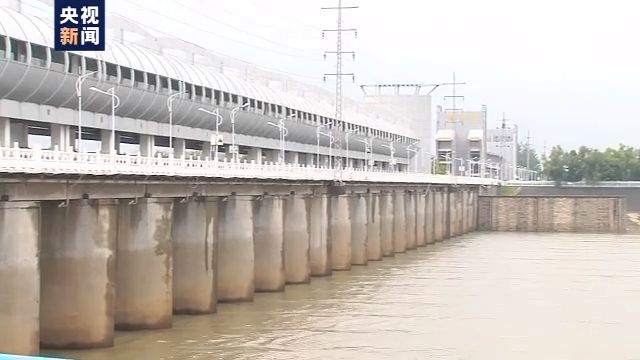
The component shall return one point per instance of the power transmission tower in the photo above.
(454, 97)
(339, 74)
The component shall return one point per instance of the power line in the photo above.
(314, 28)
(211, 51)
(244, 31)
(226, 37)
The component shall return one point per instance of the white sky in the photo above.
(568, 71)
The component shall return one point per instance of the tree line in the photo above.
(592, 165)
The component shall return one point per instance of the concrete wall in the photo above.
(632, 194)
(551, 214)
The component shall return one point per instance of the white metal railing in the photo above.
(34, 161)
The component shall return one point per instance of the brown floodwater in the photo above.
(481, 296)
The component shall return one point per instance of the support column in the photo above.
(429, 227)
(374, 245)
(61, 137)
(105, 142)
(236, 260)
(386, 224)
(20, 277)
(448, 214)
(340, 233)
(195, 233)
(297, 266)
(179, 148)
(319, 245)
(358, 210)
(147, 145)
(255, 154)
(399, 223)
(77, 262)
(268, 229)
(421, 206)
(438, 216)
(144, 264)
(5, 132)
(410, 214)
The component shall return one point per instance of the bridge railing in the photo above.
(34, 161)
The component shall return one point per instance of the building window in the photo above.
(198, 92)
(57, 60)
(18, 51)
(273, 108)
(208, 95)
(164, 85)
(226, 97)
(125, 77)
(259, 105)
(138, 79)
(3, 47)
(234, 99)
(75, 64)
(152, 80)
(112, 72)
(279, 109)
(217, 96)
(188, 91)
(175, 85)
(252, 103)
(38, 55)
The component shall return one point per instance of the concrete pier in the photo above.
(78, 274)
(429, 226)
(399, 223)
(319, 245)
(236, 259)
(268, 230)
(374, 244)
(410, 216)
(359, 255)
(439, 216)
(195, 240)
(421, 239)
(340, 232)
(453, 214)
(386, 224)
(20, 277)
(297, 266)
(144, 264)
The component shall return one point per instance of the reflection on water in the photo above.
(483, 296)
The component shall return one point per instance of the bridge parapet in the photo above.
(33, 161)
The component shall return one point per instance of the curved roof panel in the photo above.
(35, 30)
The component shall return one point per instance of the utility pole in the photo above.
(339, 74)
(502, 145)
(529, 138)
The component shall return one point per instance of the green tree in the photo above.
(534, 159)
(591, 165)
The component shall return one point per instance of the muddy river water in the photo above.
(480, 296)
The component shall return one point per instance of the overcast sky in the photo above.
(568, 71)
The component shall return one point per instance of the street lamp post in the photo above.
(318, 133)
(368, 161)
(283, 134)
(233, 130)
(115, 102)
(392, 152)
(411, 149)
(346, 139)
(170, 107)
(79, 82)
(219, 120)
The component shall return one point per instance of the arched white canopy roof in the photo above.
(35, 30)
